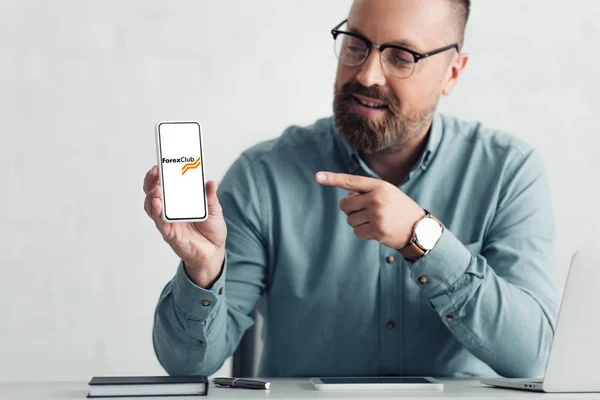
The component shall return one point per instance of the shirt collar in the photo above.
(353, 161)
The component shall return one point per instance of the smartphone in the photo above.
(181, 171)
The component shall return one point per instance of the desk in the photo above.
(292, 389)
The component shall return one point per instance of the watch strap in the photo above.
(412, 251)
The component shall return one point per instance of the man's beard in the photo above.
(381, 135)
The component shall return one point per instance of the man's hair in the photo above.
(462, 9)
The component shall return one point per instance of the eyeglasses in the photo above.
(353, 49)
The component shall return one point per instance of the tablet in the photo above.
(377, 383)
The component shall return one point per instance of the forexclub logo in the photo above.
(190, 163)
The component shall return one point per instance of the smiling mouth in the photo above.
(370, 103)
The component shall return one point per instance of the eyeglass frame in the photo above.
(381, 47)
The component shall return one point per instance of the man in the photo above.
(329, 223)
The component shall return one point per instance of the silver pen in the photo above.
(241, 383)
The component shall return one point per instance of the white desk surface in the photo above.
(292, 389)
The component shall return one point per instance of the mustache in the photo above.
(350, 88)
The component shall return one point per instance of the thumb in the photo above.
(214, 207)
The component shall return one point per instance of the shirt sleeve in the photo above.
(498, 297)
(195, 329)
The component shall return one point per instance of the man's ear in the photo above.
(457, 67)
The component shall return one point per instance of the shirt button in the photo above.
(222, 290)
(423, 279)
(205, 303)
(390, 324)
(449, 318)
(389, 259)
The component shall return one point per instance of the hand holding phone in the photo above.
(186, 211)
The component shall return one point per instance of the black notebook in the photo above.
(141, 386)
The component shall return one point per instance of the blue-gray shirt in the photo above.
(338, 305)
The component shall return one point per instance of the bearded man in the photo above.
(388, 239)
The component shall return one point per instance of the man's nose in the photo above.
(371, 73)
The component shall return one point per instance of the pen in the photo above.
(241, 383)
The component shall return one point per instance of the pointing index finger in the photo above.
(354, 183)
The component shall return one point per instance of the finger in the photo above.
(153, 207)
(354, 183)
(157, 209)
(364, 232)
(151, 179)
(212, 201)
(155, 195)
(161, 225)
(358, 218)
(354, 203)
(148, 206)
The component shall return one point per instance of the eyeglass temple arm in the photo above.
(431, 53)
(338, 25)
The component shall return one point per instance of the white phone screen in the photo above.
(182, 170)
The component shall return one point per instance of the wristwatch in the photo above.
(426, 234)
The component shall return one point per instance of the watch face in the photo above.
(428, 232)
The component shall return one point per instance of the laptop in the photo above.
(573, 361)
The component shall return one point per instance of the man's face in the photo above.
(404, 107)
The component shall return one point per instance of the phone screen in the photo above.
(182, 171)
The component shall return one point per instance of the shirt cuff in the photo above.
(194, 301)
(442, 266)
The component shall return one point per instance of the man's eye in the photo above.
(401, 59)
(355, 49)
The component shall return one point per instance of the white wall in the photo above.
(82, 84)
